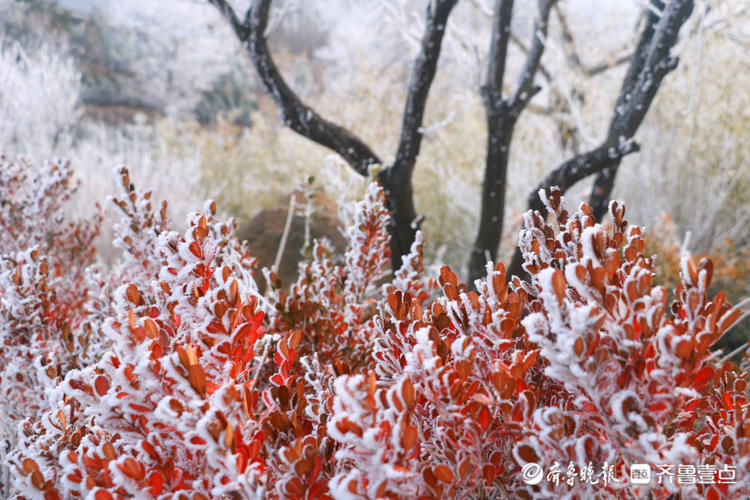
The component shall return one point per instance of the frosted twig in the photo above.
(684, 252)
(285, 234)
(308, 219)
(260, 365)
(437, 126)
(278, 15)
(745, 345)
(649, 6)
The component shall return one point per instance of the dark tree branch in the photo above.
(651, 62)
(525, 89)
(499, 135)
(638, 59)
(226, 10)
(580, 167)
(294, 113)
(525, 49)
(420, 82)
(502, 115)
(501, 20)
(396, 179)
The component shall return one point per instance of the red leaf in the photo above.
(131, 468)
(157, 481)
(558, 284)
(317, 466)
(101, 384)
(484, 418)
(692, 405)
(195, 249)
(443, 473)
(703, 376)
(133, 295)
(409, 437)
(727, 398)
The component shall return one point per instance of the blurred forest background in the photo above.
(166, 88)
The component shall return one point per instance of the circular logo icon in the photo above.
(532, 473)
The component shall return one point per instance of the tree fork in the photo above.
(650, 63)
(502, 115)
(396, 178)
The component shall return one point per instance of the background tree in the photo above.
(650, 63)
(396, 178)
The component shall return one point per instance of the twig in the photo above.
(740, 348)
(427, 129)
(604, 66)
(285, 234)
(735, 352)
(260, 365)
(744, 315)
(651, 62)
(525, 49)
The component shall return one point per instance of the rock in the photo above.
(263, 233)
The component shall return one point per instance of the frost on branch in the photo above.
(367, 253)
(136, 233)
(33, 212)
(408, 278)
(437, 416)
(44, 326)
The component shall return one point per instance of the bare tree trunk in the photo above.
(396, 179)
(650, 64)
(649, 54)
(502, 115)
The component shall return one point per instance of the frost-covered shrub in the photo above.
(584, 368)
(731, 271)
(43, 118)
(169, 166)
(45, 330)
(639, 382)
(38, 100)
(348, 386)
